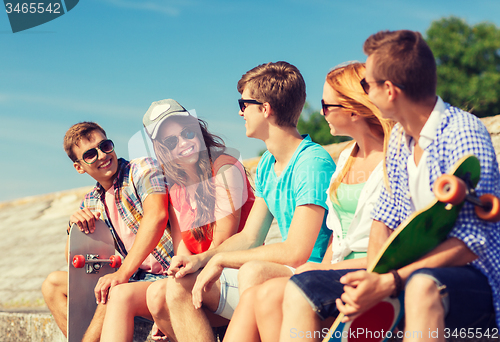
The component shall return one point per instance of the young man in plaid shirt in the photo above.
(456, 285)
(131, 198)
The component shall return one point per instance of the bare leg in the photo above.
(157, 305)
(156, 298)
(298, 315)
(268, 308)
(257, 272)
(243, 325)
(190, 324)
(423, 310)
(124, 303)
(55, 294)
(93, 333)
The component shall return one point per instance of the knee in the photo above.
(251, 274)
(422, 295)
(249, 296)
(121, 294)
(178, 290)
(54, 283)
(268, 298)
(155, 296)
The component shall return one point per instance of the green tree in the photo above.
(468, 64)
(313, 123)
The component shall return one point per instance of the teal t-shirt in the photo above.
(303, 181)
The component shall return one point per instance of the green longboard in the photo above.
(425, 229)
(420, 233)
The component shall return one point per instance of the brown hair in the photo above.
(77, 132)
(175, 173)
(281, 85)
(345, 81)
(404, 58)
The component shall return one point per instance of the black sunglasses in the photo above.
(172, 141)
(325, 106)
(366, 85)
(242, 102)
(90, 156)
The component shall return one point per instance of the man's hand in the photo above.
(105, 284)
(182, 265)
(362, 291)
(85, 219)
(205, 280)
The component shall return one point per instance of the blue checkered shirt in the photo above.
(459, 133)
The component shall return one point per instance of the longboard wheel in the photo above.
(78, 261)
(490, 209)
(450, 189)
(116, 261)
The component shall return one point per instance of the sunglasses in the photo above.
(90, 156)
(366, 85)
(325, 106)
(243, 106)
(172, 141)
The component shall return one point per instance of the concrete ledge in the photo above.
(41, 327)
(29, 327)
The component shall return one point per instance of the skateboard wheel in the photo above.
(491, 209)
(450, 189)
(78, 261)
(116, 261)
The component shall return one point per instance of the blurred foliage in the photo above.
(468, 64)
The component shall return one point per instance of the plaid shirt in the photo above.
(135, 180)
(459, 133)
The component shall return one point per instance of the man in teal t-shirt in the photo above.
(291, 182)
(303, 181)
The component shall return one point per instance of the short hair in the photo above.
(281, 85)
(404, 58)
(77, 132)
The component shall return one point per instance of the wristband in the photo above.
(398, 282)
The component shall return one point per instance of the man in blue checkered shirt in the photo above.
(456, 285)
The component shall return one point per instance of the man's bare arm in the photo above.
(150, 231)
(253, 234)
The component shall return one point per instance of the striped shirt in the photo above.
(458, 134)
(135, 180)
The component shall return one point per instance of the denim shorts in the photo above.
(141, 275)
(321, 289)
(465, 294)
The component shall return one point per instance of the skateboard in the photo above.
(91, 256)
(416, 236)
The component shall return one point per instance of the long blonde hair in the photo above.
(345, 81)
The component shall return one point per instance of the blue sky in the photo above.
(107, 60)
